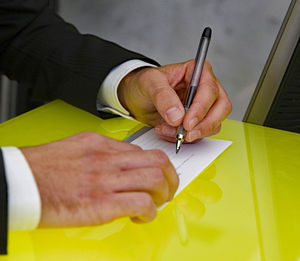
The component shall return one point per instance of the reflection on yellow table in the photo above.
(245, 206)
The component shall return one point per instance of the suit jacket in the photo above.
(3, 208)
(39, 48)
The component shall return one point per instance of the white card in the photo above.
(191, 160)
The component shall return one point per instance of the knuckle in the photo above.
(213, 129)
(90, 137)
(81, 136)
(210, 126)
(218, 129)
(213, 126)
(88, 134)
(228, 106)
(161, 157)
(189, 63)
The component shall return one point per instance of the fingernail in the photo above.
(193, 135)
(168, 131)
(174, 114)
(193, 123)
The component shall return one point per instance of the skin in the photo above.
(152, 95)
(108, 179)
(77, 189)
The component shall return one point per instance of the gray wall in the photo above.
(169, 31)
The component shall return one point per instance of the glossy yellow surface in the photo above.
(245, 206)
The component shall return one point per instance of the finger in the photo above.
(169, 133)
(206, 96)
(216, 131)
(212, 121)
(166, 130)
(173, 140)
(164, 98)
(149, 159)
(167, 138)
(137, 205)
(195, 135)
(150, 180)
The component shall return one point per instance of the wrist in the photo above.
(127, 86)
(24, 204)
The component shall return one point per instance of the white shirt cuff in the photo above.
(24, 203)
(107, 99)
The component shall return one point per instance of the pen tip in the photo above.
(178, 145)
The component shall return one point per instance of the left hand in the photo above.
(155, 96)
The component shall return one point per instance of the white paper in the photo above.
(191, 160)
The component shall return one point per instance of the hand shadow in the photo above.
(191, 204)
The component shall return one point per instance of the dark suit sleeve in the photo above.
(3, 208)
(39, 48)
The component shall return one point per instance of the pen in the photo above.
(192, 89)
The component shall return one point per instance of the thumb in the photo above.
(165, 99)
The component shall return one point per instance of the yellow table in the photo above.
(245, 206)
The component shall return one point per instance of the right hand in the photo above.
(90, 179)
(155, 96)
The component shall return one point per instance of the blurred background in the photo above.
(169, 31)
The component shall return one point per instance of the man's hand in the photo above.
(155, 96)
(89, 179)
